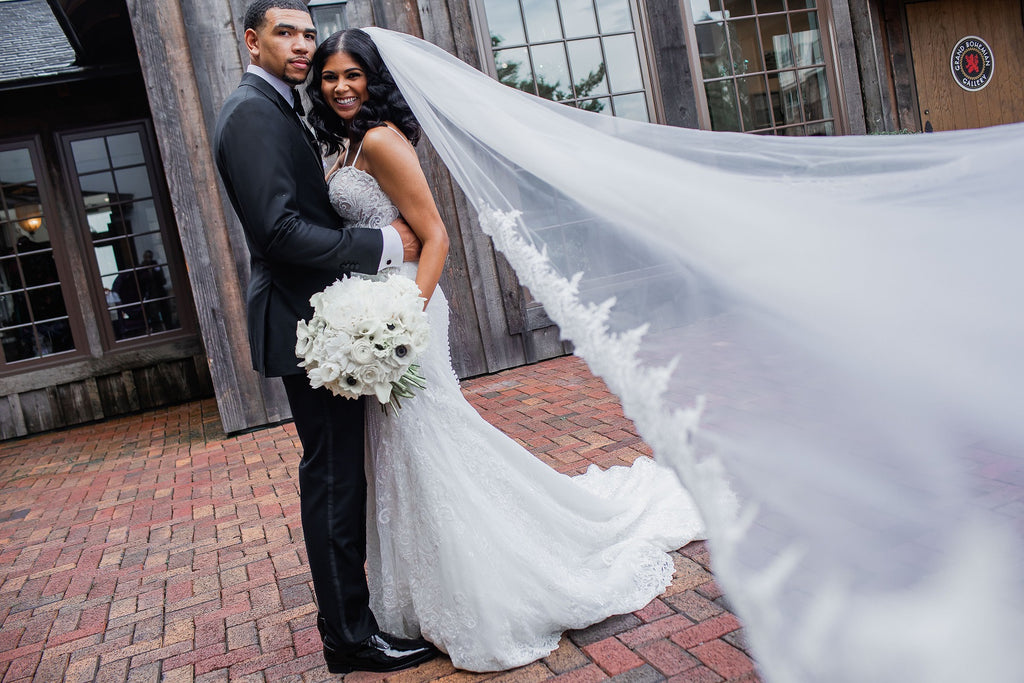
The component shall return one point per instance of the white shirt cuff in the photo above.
(393, 253)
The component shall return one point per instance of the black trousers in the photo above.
(332, 491)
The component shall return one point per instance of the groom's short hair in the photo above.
(256, 12)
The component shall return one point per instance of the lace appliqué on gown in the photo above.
(478, 545)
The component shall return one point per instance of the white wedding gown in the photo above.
(476, 544)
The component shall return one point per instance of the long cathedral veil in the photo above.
(829, 328)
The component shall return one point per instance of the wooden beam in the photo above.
(182, 114)
(846, 65)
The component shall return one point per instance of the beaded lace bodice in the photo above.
(358, 199)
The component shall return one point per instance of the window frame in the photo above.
(829, 57)
(61, 244)
(180, 287)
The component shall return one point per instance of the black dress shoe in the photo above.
(379, 652)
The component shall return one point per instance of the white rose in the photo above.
(361, 352)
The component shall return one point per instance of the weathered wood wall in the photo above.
(190, 63)
(870, 46)
(52, 400)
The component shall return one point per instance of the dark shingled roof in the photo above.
(32, 44)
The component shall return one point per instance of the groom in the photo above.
(275, 179)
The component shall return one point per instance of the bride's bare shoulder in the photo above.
(386, 136)
(384, 143)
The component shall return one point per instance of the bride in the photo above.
(473, 543)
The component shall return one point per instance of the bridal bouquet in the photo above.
(364, 337)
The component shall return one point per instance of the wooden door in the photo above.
(936, 27)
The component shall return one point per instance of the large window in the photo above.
(585, 53)
(112, 175)
(763, 66)
(102, 272)
(34, 320)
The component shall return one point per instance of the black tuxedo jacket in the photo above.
(297, 245)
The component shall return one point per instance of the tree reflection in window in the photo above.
(511, 73)
(576, 52)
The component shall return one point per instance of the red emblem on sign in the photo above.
(972, 63)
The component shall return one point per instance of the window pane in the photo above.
(90, 155)
(114, 226)
(807, 39)
(793, 131)
(623, 64)
(814, 89)
(140, 297)
(746, 55)
(754, 103)
(737, 8)
(768, 6)
(823, 128)
(47, 303)
(99, 220)
(600, 105)
(722, 105)
(133, 183)
(588, 68)
(614, 15)
(98, 183)
(801, 4)
(106, 259)
(37, 265)
(713, 50)
(504, 22)
(16, 167)
(125, 150)
(631, 107)
(552, 71)
(141, 217)
(706, 10)
(155, 286)
(775, 42)
(514, 69)
(578, 18)
(786, 97)
(542, 20)
(125, 298)
(10, 274)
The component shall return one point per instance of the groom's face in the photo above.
(283, 44)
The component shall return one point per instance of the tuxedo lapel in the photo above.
(270, 93)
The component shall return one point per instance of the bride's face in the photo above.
(344, 85)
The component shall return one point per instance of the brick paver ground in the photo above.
(154, 548)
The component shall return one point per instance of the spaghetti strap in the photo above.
(358, 150)
(396, 132)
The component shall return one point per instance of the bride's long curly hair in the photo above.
(384, 102)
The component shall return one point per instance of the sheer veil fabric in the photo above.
(828, 328)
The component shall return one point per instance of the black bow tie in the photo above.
(297, 103)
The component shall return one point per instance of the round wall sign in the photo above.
(972, 63)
